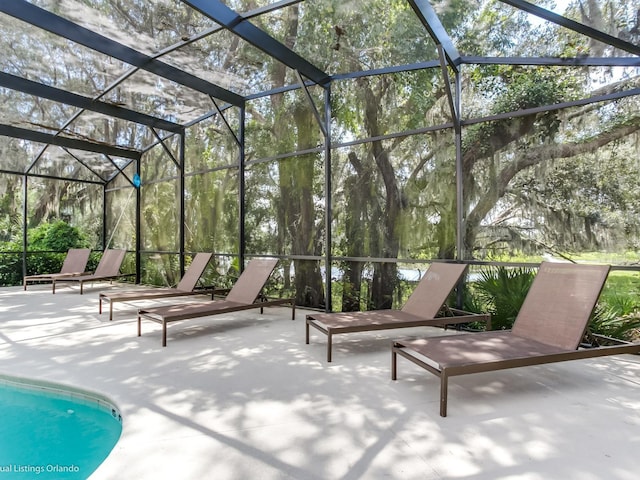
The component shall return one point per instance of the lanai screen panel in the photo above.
(211, 211)
(148, 26)
(283, 124)
(62, 163)
(160, 269)
(160, 202)
(395, 198)
(496, 29)
(17, 154)
(11, 221)
(284, 204)
(212, 156)
(120, 211)
(35, 54)
(390, 104)
(160, 216)
(148, 93)
(209, 144)
(77, 206)
(350, 36)
(567, 186)
(230, 62)
(109, 130)
(33, 113)
(158, 164)
(11, 217)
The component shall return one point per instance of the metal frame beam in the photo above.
(312, 104)
(238, 24)
(555, 61)
(328, 205)
(62, 96)
(575, 26)
(27, 12)
(431, 22)
(242, 212)
(226, 123)
(41, 137)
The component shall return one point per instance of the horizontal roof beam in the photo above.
(41, 18)
(238, 24)
(49, 139)
(555, 61)
(62, 96)
(575, 26)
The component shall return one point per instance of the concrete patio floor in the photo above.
(241, 396)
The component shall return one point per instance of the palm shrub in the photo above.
(501, 291)
(616, 316)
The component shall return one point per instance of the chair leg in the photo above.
(329, 342)
(306, 332)
(444, 382)
(164, 333)
(394, 364)
(139, 325)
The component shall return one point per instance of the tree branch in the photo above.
(536, 156)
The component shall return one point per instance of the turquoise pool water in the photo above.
(53, 432)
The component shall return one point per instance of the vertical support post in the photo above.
(181, 188)
(25, 208)
(327, 196)
(138, 228)
(241, 190)
(460, 223)
(104, 217)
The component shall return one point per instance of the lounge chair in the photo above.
(245, 294)
(425, 307)
(550, 327)
(185, 287)
(108, 268)
(74, 263)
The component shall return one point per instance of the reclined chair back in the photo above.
(252, 280)
(76, 260)
(194, 272)
(434, 288)
(110, 263)
(559, 304)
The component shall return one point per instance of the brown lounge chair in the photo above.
(185, 287)
(421, 309)
(74, 263)
(108, 268)
(244, 295)
(550, 326)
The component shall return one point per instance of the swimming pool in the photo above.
(50, 431)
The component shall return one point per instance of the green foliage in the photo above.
(58, 236)
(10, 269)
(47, 247)
(501, 291)
(513, 89)
(608, 321)
(618, 317)
(618, 312)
